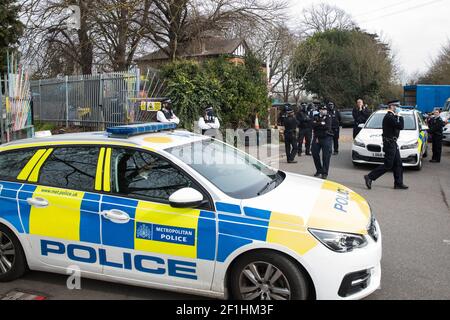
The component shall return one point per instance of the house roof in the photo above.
(212, 46)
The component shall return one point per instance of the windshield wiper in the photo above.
(268, 184)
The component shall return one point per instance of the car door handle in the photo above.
(37, 202)
(116, 216)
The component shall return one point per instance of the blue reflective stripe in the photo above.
(257, 213)
(25, 209)
(8, 204)
(229, 244)
(243, 230)
(246, 220)
(90, 218)
(206, 233)
(228, 207)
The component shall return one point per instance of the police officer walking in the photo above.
(290, 135)
(360, 115)
(166, 114)
(335, 126)
(436, 125)
(304, 119)
(322, 140)
(209, 121)
(392, 124)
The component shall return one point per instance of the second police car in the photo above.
(413, 140)
(174, 210)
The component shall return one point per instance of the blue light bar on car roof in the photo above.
(135, 129)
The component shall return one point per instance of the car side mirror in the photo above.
(361, 125)
(424, 128)
(186, 198)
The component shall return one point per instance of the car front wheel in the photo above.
(267, 276)
(418, 167)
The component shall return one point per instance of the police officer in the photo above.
(335, 126)
(290, 135)
(166, 114)
(360, 115)
(316, 107)
(322, 140)
(209, 121)
(436, 125)
(304, 119)
(392, 124)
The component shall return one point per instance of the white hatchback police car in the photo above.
(174, 210)
(413, 140)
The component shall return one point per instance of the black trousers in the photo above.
(356, 131)
(336, 132)
(324, 145)
(304, 135)
(392, 161)
(437, 147)
(290, 142)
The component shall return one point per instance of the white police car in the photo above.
(179, 211)
(413, 140)
(447, 133)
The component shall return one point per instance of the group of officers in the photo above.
(319, 127)
(206, 122)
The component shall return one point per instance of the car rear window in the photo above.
(12, 163)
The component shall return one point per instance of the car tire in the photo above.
(12, 257)
(251, 279)
(419, 165)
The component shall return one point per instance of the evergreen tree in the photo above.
(10, 30)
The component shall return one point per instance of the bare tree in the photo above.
(47, 37)
(118, 29)
(439, 70)
(175, 21)
(322, 17)
(113, 31)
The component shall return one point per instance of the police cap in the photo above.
(394, 103)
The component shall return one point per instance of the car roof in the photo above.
(156, 141)
(403, 111)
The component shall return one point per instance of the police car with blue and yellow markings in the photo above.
(151, 206)
(413, 140)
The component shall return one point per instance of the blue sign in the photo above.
(156, 232)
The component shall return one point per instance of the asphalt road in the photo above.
(415, 226)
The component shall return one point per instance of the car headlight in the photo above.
(359, 143)
(339, 241)
(410, 145)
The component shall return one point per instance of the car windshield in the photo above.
(376, 121)
(447, 106)
(232, 171)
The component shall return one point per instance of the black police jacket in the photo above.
(304, 119)
(360, 116)
(436, 126)
(392, 124)
(335, 118)
(290, 125)
(322, 126)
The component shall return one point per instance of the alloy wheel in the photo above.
(263, 281)
(7, 253)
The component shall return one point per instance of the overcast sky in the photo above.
(416, 29)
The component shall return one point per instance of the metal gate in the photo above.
(92, 101)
